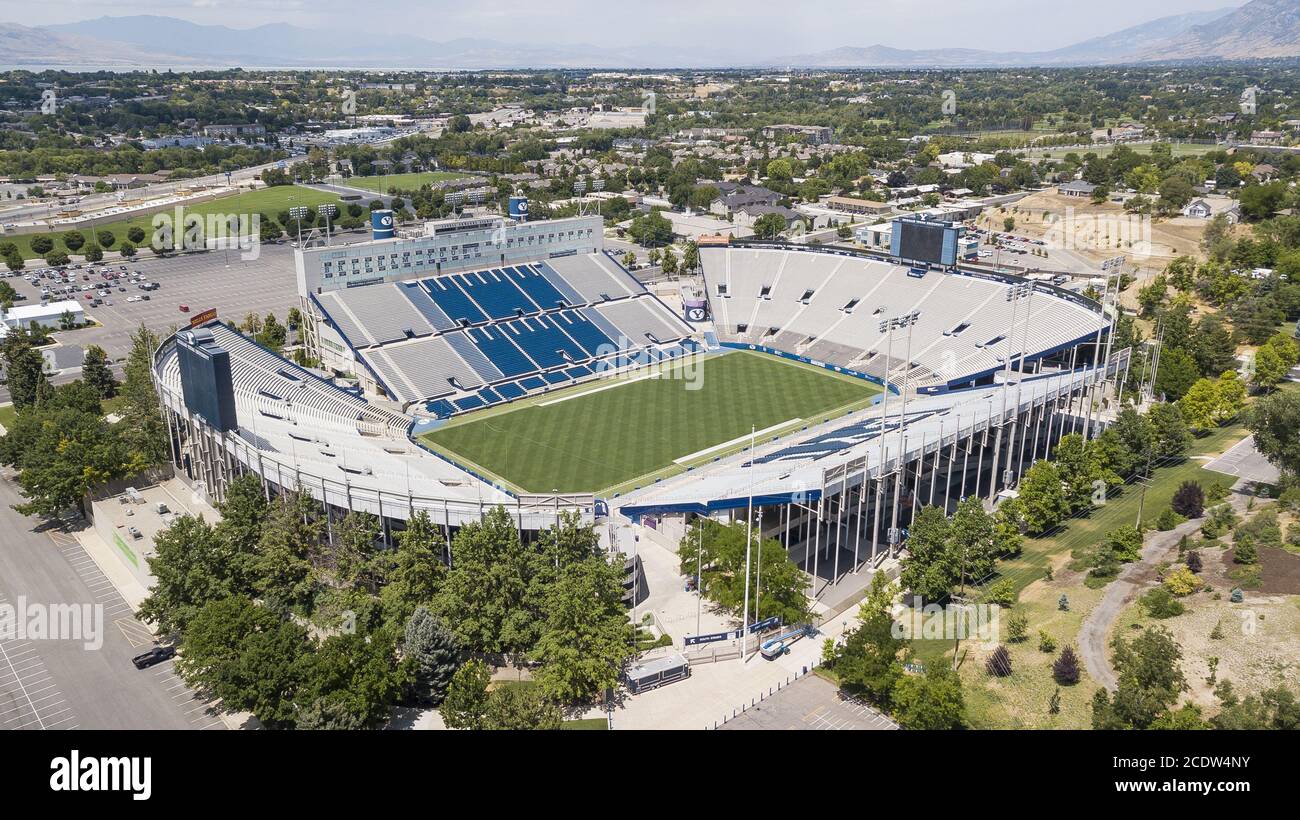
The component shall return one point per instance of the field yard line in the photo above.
(614, 382)
(736, 440)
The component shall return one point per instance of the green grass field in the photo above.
(405, 182)
(629, 434)
(269, 201)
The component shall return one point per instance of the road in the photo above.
(62, 684)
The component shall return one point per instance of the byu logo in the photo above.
(49, 101)
(949, 105)
(349, 104)
(523, 207)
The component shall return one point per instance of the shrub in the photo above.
(1125, 543)
(1168, 520)
(1017, 628)
(1003, 593)
(1189, 500)
(999, 663)
(1046, 643)
(1220, 519)
(1160, 603)
(1182, 581)
(1065, 669)
(1262, 531)
(1215, 493)
(1194, 560)
(1245, 553)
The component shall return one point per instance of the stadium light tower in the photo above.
(887, 327)
(909, 321)
(330, 211)
(297, 213)
(1028, 296)
(1014, 295)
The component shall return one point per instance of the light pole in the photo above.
(749, 543)
(909, 321)
(297, 213)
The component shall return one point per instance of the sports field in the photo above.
(617, 434)
(268, 201)
(403, 182)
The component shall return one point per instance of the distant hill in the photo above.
(1120, 46)
(20, 45)
(1261, 28)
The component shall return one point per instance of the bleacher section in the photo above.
(462, 341)
(829, 307)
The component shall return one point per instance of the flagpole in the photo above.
(749, 541)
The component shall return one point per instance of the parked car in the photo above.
(185, 308)
(154, 657)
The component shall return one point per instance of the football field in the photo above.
(616, 434)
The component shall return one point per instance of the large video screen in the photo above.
(921, 242)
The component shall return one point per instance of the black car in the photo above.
(154, 656)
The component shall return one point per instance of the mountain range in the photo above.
(1258, 29)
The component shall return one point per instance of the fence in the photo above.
(763, 696)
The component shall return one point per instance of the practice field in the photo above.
(404, 182)
(616, 434)
(268, 201)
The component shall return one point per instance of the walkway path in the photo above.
(1120, 592)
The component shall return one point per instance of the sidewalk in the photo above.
(131, 590)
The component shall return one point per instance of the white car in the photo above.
(133, 298)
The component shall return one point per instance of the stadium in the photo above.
(477, 363)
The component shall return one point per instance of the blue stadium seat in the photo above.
(509, 390)
(532, 383)
(555, 377)
(441, 408)
(543, 341)
(452, 301)
(578, 372)
(538, 287)
(500, 351)
(468, 403)
(584, 332)
(493, 291)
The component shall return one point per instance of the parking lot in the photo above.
(50, 683)
(810, 703)
(218, 279)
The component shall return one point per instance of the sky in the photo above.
(764, 26)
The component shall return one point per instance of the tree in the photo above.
(1065, 669)
(94, 253)
(73, 240)
(928, 569)
(769, 226)
(691, 257)
(24, 368)
(669, 261)
(106, 238)
(244, 654)
(869, 661)
(518, 707)
(722, 580)
(61, 453)
(1177, 374)
(95, 372)
(127, 250)
(1274, 708)
(281, 569)
(414, 570)
(466, 703)
(190, 567)
(1150, 681)
(243, 511)
(931, 701)
(1210, 402)
(484, 596)
(41, 245)
(1212, 346)
(356, 675)
(135, 234)
(1041, 498)
(1275, 422)
(586, 638)
(972, 541)
(1188, 500)
(430, 650)
(142, 428)
(999, 663)
(1169, 432)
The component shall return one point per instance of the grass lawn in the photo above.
(406, 182)
(1181, 150)
(611, 437)
(268, 201)
(8, 415)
